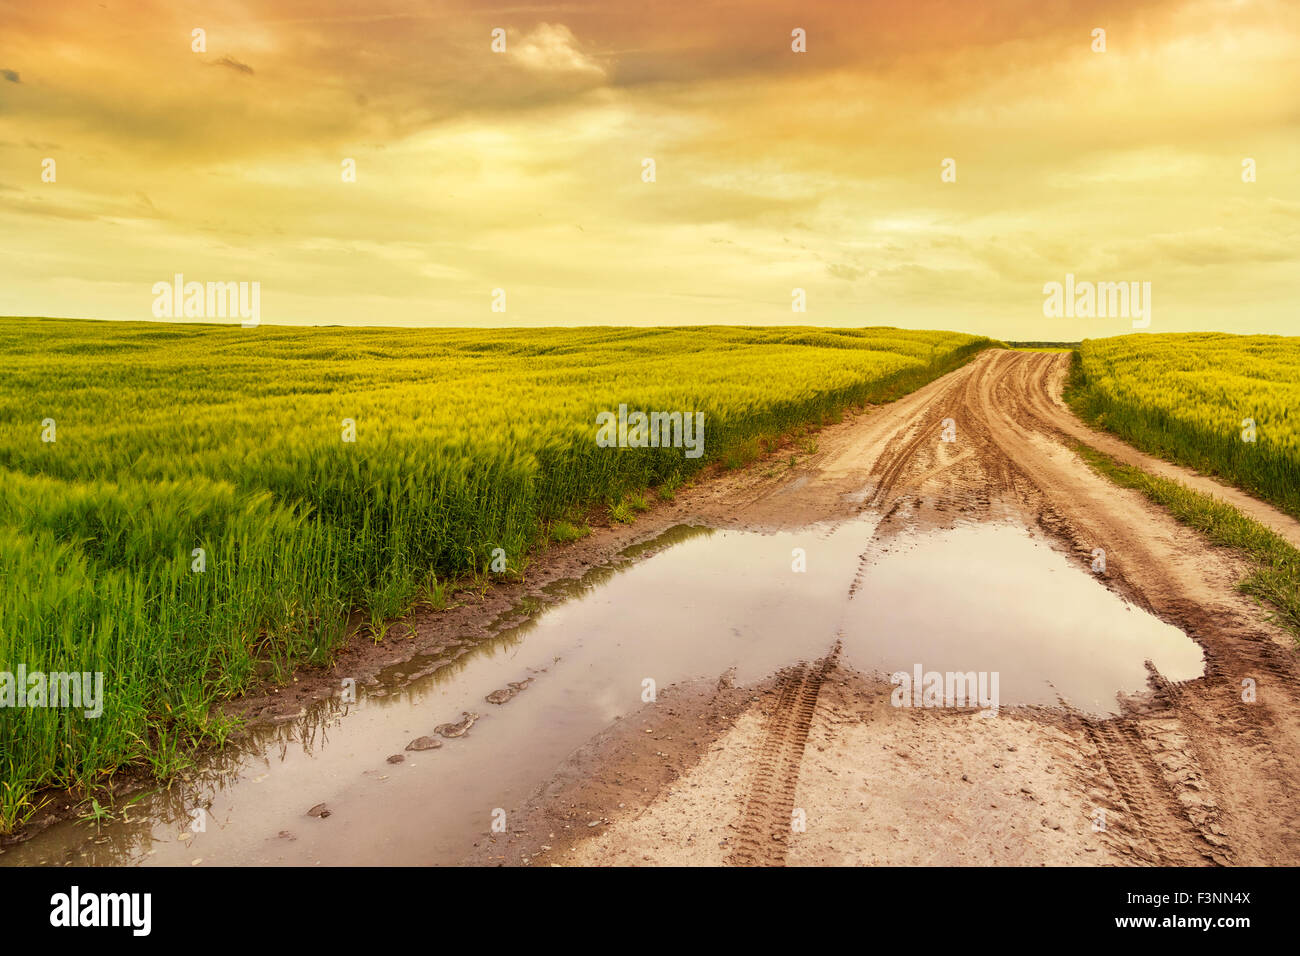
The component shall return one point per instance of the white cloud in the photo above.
(552, 48)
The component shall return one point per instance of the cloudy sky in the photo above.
(523, 169)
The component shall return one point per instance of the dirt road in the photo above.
(1192, 773)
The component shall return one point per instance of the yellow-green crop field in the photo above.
(1226, 405)
(181, 508)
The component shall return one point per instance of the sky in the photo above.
(920, 163)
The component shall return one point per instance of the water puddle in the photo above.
(696, 602)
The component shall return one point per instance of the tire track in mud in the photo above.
(1214, 708)
(895, 460)
(1157, 817)
(977, 474)
(765, 825)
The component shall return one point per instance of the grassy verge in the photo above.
(1275, 578)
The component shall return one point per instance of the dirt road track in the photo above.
(1189, 774)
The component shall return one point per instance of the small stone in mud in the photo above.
(396, 758)
(286, 835)
(320, 810)
(423, 743)
(459, 728)
(512, 687)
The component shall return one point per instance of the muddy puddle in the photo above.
(695, 603)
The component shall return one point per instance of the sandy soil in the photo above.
(815, 767)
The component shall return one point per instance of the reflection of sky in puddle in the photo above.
(992, 598)
(975, 598)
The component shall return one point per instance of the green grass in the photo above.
(668, 488)
(176, 437)
(742, 455)
(1275, 578)
(562, 532)
(433, 593)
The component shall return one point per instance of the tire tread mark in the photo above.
(1172, 839)
(765, 823)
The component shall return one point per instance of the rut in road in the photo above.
(766, 824)
(1160, 829)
